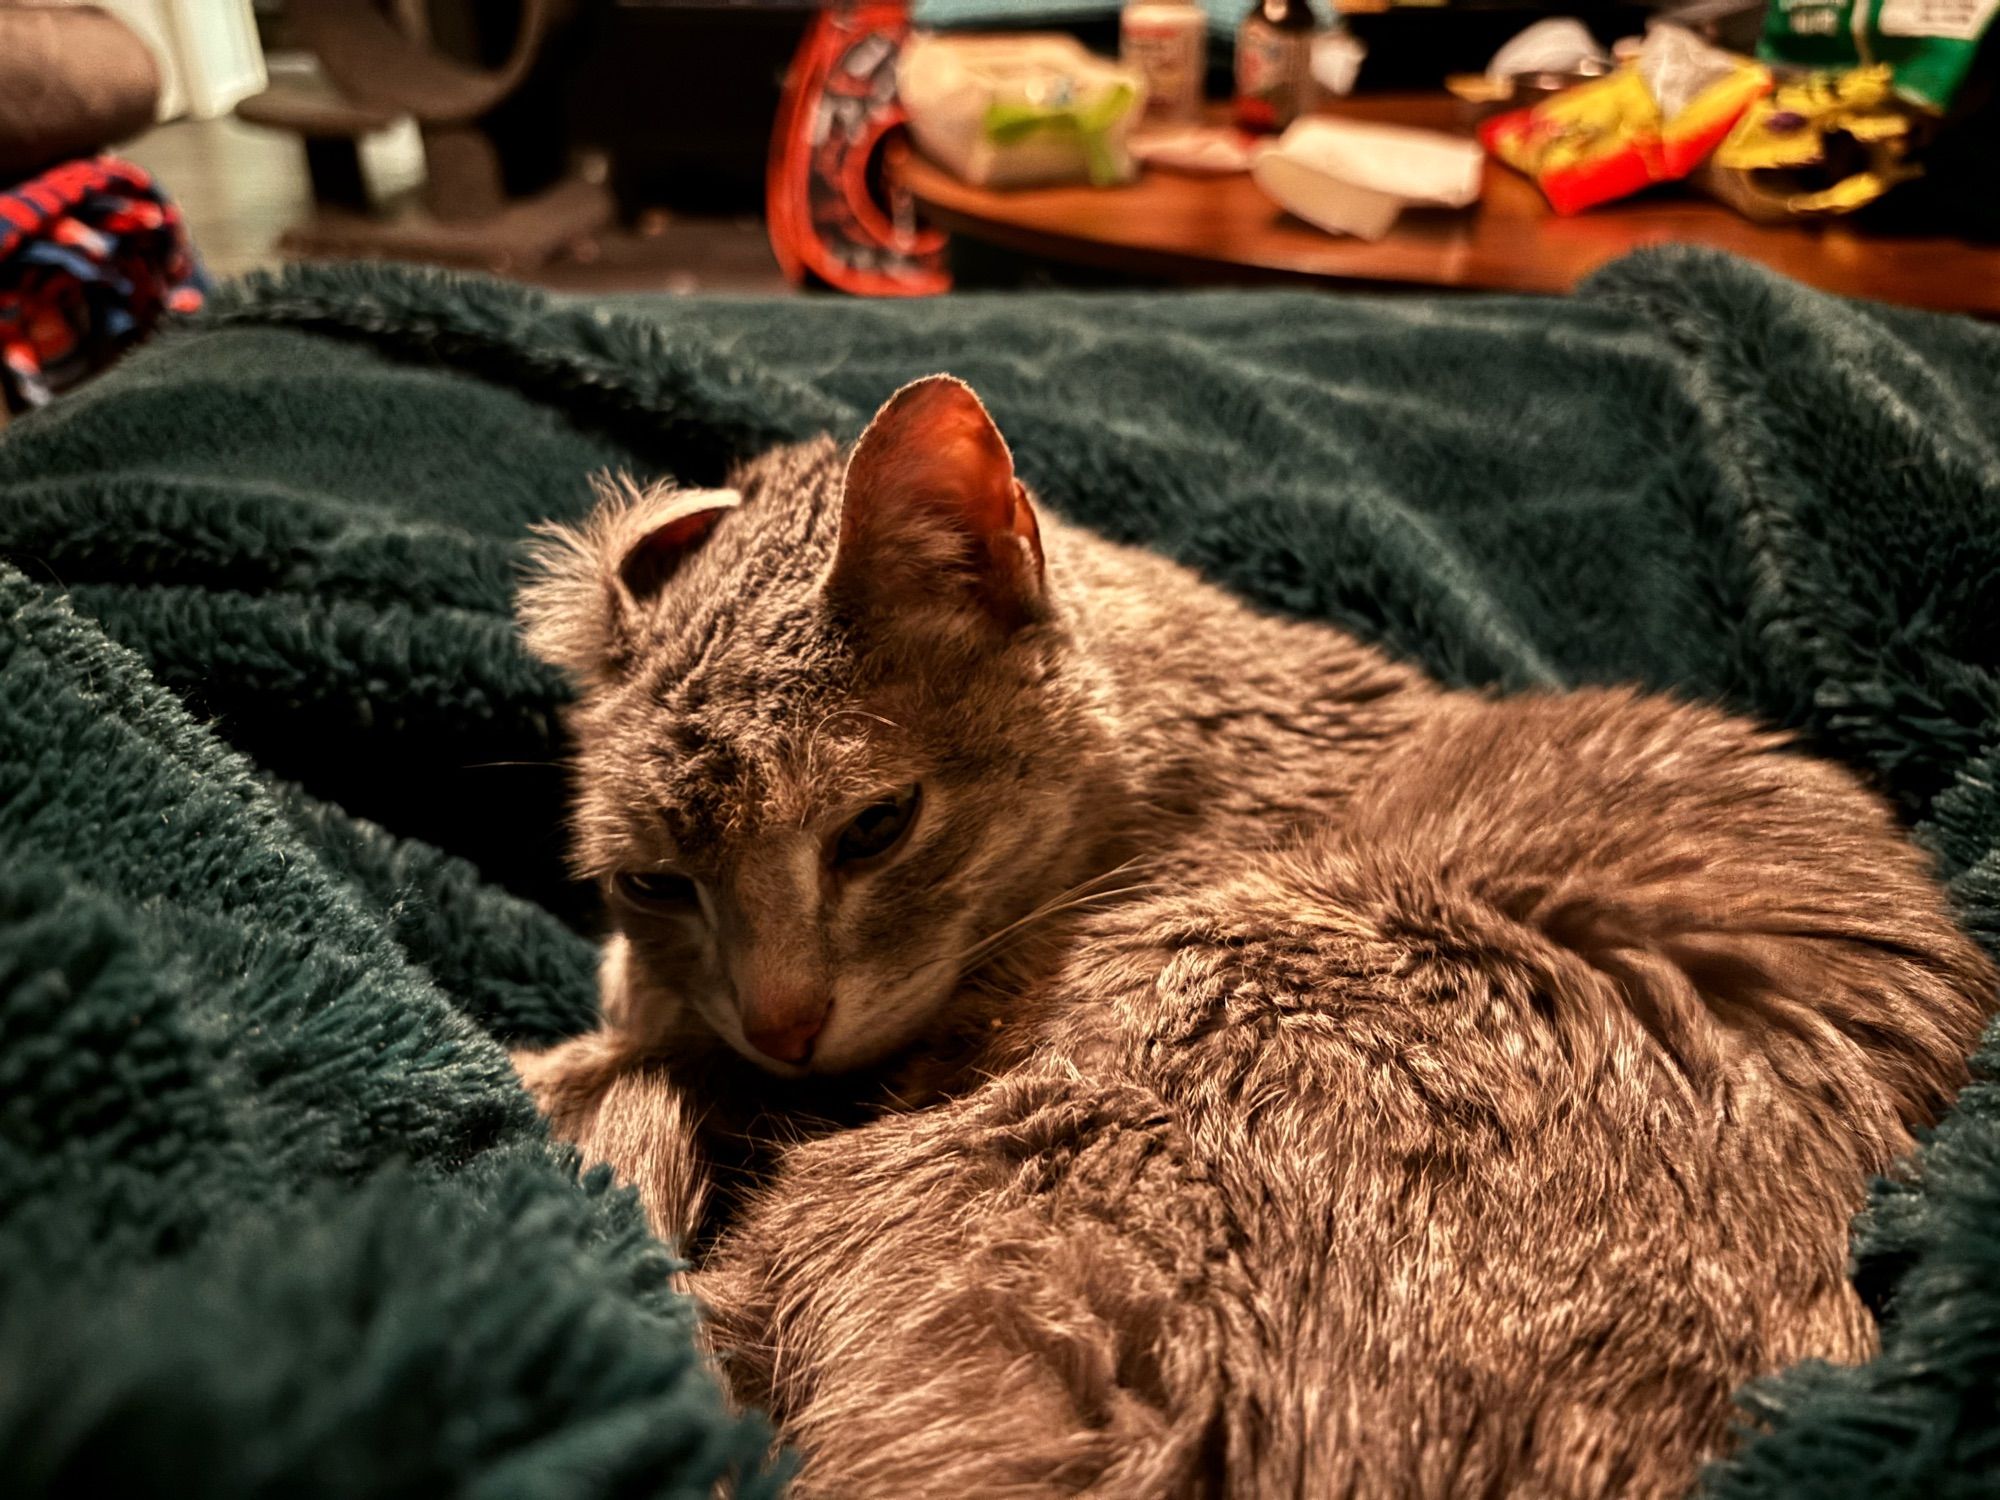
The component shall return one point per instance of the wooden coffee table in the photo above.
(1177, 227)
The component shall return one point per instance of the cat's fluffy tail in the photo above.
(1755, 913)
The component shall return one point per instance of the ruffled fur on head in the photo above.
(591, 583)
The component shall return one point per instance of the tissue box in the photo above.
(1351, 177)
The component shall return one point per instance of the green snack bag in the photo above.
(1929, 44)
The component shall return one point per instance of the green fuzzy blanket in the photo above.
(280, 802)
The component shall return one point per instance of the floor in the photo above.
(238, 187)
(241, 187)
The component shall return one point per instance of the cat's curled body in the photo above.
(1481, 1144)
(1474, 1095)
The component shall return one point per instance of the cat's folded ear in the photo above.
(593, 585)
(933, 517)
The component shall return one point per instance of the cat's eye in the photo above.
(659, 888)
(876, 829)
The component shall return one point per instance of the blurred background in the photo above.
(149, 148)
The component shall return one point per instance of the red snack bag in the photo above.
(1654, 120)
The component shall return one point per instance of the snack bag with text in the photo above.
(1653, 120)
(1928, 45)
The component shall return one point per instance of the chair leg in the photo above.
(334, 164)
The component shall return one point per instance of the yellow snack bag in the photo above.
(1821, 144)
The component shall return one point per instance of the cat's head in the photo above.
(831, 733)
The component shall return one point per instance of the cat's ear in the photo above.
(594, 584)
(933, 515)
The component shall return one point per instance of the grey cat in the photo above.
(1094, 1038)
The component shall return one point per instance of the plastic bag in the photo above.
(1817, 146)
(1020, 111)
(1928, 45)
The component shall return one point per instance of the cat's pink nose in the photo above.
(784, 1027)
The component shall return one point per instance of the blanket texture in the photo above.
(280, 797)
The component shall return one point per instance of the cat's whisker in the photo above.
(896, 1099)
(987, 945)
(1094, 898)
(886, 723)
(1087, 893)
(898, 980)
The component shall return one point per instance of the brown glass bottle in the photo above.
(1274, 64)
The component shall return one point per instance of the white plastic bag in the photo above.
(1019, 111)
